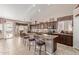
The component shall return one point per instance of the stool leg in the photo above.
(29, 45)
(40, 50)
(35, 46)
(24, 41)
(45, 48)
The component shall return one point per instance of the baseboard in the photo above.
(76, 48)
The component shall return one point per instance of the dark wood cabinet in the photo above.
(44, 25)
(69, 40)
(66, 39)
(62, 39)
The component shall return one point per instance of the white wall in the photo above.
(76, 29)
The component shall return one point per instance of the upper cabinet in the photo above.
(44, 26)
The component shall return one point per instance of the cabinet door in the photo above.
(64, 39)
(60, 39)
(69, 40)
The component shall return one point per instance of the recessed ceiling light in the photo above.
(48, 4)
(34, 5)
(38, 10)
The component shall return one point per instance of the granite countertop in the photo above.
(63, 34)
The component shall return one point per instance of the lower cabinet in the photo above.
(65, 39)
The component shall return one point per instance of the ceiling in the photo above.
(26, 12)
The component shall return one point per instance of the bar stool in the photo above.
(40, 43)
(25, 38)
(31, 40)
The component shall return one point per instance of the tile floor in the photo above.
(16, 47)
